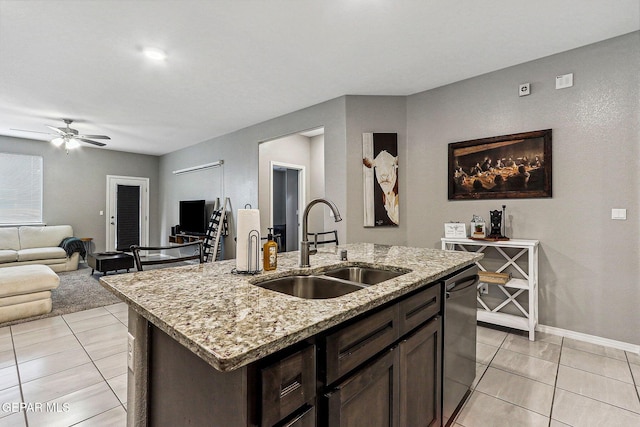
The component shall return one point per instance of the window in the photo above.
(20, 189)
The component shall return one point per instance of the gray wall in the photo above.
(589, 263)
(75, 184)
(239, 150)
(375, 114)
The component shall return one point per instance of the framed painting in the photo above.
(380, 176)
(501, 167)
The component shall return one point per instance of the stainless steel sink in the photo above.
(364, 275)
(310, 287)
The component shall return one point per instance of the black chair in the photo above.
(323, 240)
(169, 260)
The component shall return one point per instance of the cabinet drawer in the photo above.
(287, 385)
(305, 419)
(354, 344)
(419, 308)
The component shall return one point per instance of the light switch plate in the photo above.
(564, 81)
(619, 214)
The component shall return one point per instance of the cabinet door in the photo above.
(287, 385)
(420, 362)
(369, 397)
(353, 345)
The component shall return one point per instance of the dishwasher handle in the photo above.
(460, 285)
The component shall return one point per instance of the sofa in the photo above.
(37, 245)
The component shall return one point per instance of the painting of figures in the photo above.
(380, 175)
(501, 167)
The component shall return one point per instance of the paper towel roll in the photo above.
(248, 252)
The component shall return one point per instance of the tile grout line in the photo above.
(555, 383)
(478, 382)
(95, 366)
(15, 358)
(90, 359)
(636, 386)
(590, 397)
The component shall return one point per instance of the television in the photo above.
(193, 217)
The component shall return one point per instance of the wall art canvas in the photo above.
(380, 176)
(501, 167)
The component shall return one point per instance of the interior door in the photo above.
(287, 194)
(127, 212)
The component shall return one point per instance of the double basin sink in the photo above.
(330, 284)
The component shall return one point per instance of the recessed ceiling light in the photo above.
(154, 53)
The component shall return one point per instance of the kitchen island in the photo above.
(205, 337)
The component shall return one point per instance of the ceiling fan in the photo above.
(69, 136)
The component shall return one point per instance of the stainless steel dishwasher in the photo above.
(459, 343)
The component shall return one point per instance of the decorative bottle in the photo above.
(270, 253)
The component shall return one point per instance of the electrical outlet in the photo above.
(524, 89)
(130, 341)
(484, 289)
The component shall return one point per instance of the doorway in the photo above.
(127, 212)
(287, 203)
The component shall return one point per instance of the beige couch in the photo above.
(37, 245)
(25, 291)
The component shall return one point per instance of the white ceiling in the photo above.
(234, 63)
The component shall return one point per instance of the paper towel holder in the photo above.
(253, 239)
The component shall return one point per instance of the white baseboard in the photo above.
(631, 348)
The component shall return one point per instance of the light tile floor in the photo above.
(75, 367)
(68, 370)
(551, 382)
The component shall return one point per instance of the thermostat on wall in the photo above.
(564, 81)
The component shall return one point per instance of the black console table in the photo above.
(109, 261)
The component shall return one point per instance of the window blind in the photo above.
(20, 189)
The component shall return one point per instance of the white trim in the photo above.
(631, 348)
(302, 193)
(199, 167)
(143, 183)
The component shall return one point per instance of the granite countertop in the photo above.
(229, 323)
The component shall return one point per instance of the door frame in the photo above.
(112, 182)
(302, 193)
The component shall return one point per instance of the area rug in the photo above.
(78, 290)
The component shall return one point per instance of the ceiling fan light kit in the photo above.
(154, 53)
(69, 137)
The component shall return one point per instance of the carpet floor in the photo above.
(78, 290)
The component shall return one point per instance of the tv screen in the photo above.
(193, 217)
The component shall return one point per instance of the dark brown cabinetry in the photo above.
(368, 397)
(390, 365)
(382, 368)
(420, 379)
(288, 385)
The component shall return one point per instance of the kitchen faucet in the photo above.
(304, 244)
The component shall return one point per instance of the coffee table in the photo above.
(109, 261)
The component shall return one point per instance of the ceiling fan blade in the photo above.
(99, 144)
(60, 131)
(93, 136)
(32, 131)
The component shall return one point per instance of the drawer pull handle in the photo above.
(348, 351)
(290, 387)
(429, 303)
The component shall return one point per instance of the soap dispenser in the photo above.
(270, 252)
